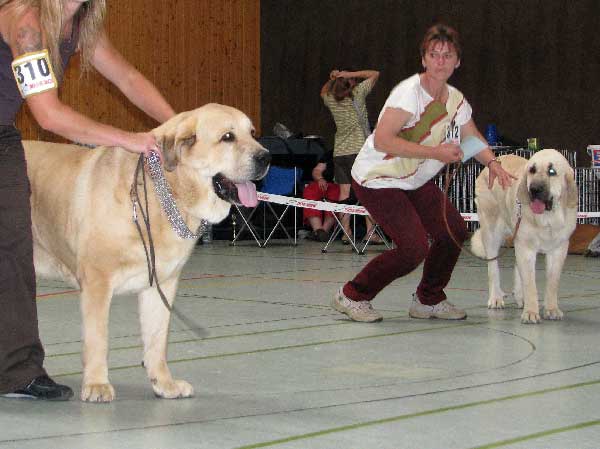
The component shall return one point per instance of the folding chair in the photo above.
(360, 249)
(278, 181)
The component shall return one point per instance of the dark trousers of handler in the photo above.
(21, 352)
(408, 217)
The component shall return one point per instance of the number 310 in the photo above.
(42, 66)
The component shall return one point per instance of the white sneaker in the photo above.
(444, 310)
(356, 310)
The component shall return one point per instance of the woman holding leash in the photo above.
(37, 38)
(419, 130)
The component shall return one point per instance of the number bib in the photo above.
(453, 133)
(33, 73)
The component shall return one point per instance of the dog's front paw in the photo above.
(173, 389)
(496, 303)
(530, 317)
(553, 314)
(97, 393)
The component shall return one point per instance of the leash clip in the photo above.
(519, 212)
(135, 216)
(134, 201)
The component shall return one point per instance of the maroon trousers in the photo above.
(411, 218)
(21, 352)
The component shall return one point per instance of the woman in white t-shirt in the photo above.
(419, 130)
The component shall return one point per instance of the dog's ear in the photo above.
(176, 139)
(522, 193)
(572, 190)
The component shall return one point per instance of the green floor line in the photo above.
(376, 422)
(316, 326)
(536, 435)
(283, 348)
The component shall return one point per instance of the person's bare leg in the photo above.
(328, 222)
(315, 223)
(370, 224)
(345, 218)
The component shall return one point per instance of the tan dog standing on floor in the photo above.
(84, 232)
(546, 195)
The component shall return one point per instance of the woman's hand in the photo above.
(142, 143)
(334, 74)
(448, 153)
(497, 172)
(322, 184)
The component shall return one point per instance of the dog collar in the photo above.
(167, 202)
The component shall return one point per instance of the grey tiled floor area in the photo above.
(276, 367)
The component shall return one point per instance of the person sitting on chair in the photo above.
(320, 188)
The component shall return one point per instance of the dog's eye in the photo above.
(228, 137)
(532, 170)
(551, 171)
(253, 133)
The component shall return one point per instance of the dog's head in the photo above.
(547, 180)
(216, 142)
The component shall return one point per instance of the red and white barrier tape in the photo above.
(357, 210)
(310, 204)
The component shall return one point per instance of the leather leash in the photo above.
(447, 180)
(149, 246)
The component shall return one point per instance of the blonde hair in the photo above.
(91, 17)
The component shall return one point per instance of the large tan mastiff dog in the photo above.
(84, 232)
(545, 195)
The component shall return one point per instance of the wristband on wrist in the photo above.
(495, 159)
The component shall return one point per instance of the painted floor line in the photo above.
(537, 435)
(283, 348)
(392, 419)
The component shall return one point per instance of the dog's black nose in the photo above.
(263, 159)
(536, 191)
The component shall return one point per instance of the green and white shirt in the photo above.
(431, 123)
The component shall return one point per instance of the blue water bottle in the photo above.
(491, 134)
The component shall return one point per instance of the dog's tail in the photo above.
(477, 244)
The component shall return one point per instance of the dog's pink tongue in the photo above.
(247, 193)
(537, 207)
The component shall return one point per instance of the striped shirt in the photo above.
(350, 134)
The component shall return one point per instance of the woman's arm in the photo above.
(487, 158)
(317, 174)
(373, 74)
(55, 116)
(326, 87)
(135, 86)
(387, 140)
(51, 114)
(469, 129)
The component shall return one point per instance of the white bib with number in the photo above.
(33, 73)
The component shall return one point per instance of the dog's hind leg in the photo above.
(154, 320)
(96, 294)
(554, 263)
(492, 238)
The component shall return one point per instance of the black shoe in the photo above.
(322, 235)
(43, 387)
(312, 236)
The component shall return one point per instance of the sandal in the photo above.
(375, 240)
